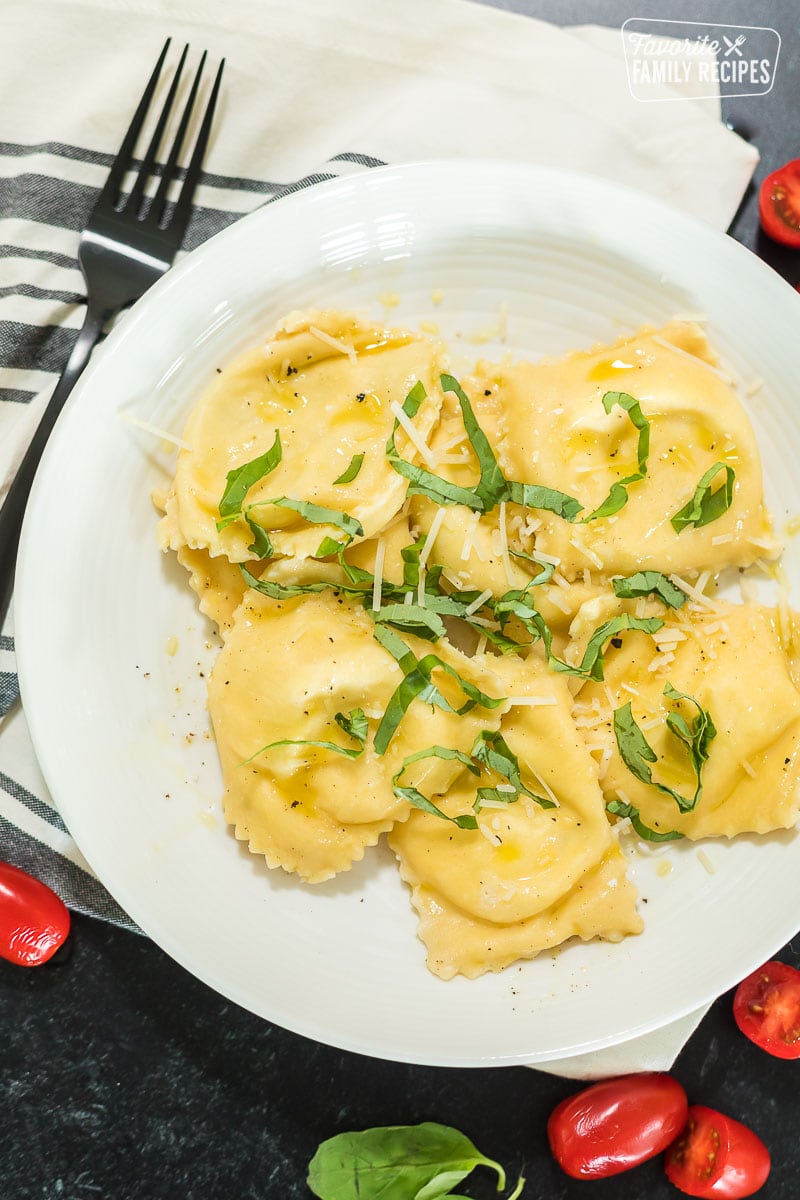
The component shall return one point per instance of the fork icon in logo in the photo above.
(733, 47)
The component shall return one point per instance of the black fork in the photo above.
(125, 247)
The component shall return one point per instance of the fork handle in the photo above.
(13, 508)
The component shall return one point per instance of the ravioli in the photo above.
(308, 674)
(561, 437)
(325, 383)
(731, 660)
(529, 876)
(285, 670)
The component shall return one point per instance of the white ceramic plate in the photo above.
(119, 723)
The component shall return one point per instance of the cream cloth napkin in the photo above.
(313, 89)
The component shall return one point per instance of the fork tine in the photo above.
(156, 210)
(111, 187)
(183, 206)
(137, 191)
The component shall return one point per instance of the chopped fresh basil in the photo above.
(328, 546)
(706, 506)
(239, 481)
(492, 751)
(398, 1162)
(644, 831)
(548, 569)
(261, 544)
(349, 474)
(417, 684)
(354, 725)
(491, 487)
(534, 495)
(650, 583)
(415, 797)
(422, 482)
(617, 497)
(412, 618)
(591, 665)
(636, 752)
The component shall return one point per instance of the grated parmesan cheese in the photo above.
(334, 343)
(466, 549)
(377, 583)
(504, 544)
(722, 538)
(154, 429)
(478, 602)
(593, 558)
(433, 533)
(748, 768)
(419, 443)
(706, 862)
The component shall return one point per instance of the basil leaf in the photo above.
(591, 666)
(412, 618)
(650, 583)
(396, 1162)
(617, 497)
(421, 481)
(644, 831)
(328, 546)
(501, 641)
(287, 591)
(415, 797)
(492, 751)
(349, 474)
(697, 737)
(239, 481)
(706, 506)
(548, 569)
(417, 684)
(533, 495)
(261, 545)
(636, 752)
(354, 725)
(492, 487)
(315, 514)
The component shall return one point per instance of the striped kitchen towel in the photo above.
(312, 90)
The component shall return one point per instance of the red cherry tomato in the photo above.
(779, 204)
(716, 1156)
(617, 1124)
(766, 1008)
(33, 921)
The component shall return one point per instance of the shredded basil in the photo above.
(350, 472)
(618, 809)
(417, 684)
(354, 725)
(415, 797)
(617, 497)
(706, 506)
(650, 583)
(492, 751)
(636, 752)
(412, 618)
(239, 481)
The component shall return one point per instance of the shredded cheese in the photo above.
(466, 549)
(478, 602)
(154, 429)
(334, 343)
(377, 583)
(593, 558)
(706, 862)
(504, 544)
(433, 533)
(414, 436)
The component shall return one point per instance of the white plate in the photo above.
(120, 726)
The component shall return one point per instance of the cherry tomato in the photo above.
(766, 1008)
(617, 1124)
(716, 1156)
(779, 204)
(33, 921)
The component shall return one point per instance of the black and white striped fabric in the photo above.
(47, 192)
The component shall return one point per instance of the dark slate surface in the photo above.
(123, 1078)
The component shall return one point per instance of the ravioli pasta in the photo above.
(481, 616)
